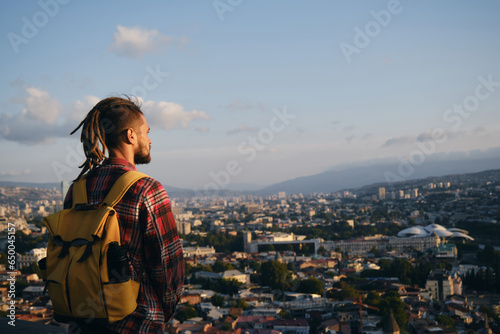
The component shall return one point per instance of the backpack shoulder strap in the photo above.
(121, 186)
(80, 192)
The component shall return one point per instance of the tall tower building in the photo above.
(440, 284)
(64, 189)
(247, 241)
(381, 193)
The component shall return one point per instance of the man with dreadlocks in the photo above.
(118, 126)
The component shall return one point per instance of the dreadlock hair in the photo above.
(103, 128)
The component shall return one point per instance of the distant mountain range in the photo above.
(357, 177)
(336, 180)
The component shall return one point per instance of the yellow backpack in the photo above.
(76, 272)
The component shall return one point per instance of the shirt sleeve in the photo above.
(162, 249)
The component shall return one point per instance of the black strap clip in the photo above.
(88, 249)
(76, 242)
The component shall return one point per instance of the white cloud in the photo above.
(41, 119)
(242, 128)
(168, 115)
(402, 140)
(24, 129)
(431, 136)
(36, 122)
(239, 104)
(135, 42)
(81, 107)
(15, 172)
(425, 136)
(41, 106)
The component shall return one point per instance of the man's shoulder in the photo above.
(106, 176)
(148, 184)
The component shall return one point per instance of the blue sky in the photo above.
(360, 81)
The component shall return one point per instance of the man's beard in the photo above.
(143, 156)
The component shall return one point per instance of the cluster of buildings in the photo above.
(418, 212)
(443, 294)
(408, 192)
(28, 203)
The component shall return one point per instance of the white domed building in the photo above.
(434, 229)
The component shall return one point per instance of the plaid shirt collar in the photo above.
(119, 162)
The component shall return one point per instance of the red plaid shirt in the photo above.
(148, 227)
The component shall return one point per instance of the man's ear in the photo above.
(130, 136)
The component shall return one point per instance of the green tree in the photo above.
(217, 300)
(402, 269)
(200, 267)
(373, 299)
(32, 269)
(311, 285)
(25, 243)
(374, 251)
(186, 312)
(274, 274)
(447, 321)
(255, 265)
(342, 291)
(391, 303)
(267, 248)
(241, 303)
(187, 269)
(228, 286)
(220, 266)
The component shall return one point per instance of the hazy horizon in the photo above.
(343, 177)
(252, 92)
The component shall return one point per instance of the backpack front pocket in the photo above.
(121, 299)
(57, 293)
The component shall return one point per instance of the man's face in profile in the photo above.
(142, 154)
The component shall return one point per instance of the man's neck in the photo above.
(122, 154)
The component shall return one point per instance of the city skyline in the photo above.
(252, 92)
